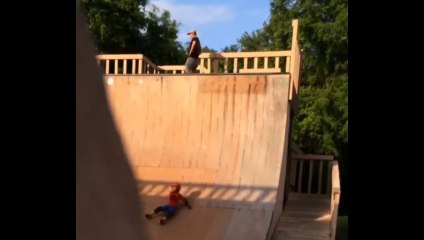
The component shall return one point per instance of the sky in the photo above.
(219, 23)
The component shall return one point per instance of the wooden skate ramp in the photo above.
(223, 137)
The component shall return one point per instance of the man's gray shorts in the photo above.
(191, 64)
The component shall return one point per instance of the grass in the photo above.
(342, 225)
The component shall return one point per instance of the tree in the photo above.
(209, 50)
(232, 48)
(258, 40)
(125, 26)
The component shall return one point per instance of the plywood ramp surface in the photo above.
(221, 136)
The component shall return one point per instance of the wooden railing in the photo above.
(122, 64)
(311, 173)
(238, 62)
(303, 170)
(229, 62)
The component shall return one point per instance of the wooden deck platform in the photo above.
(305, 217)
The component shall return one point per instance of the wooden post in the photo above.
(209, 65)
(320, 177)
(335, 197)
(294, 59)
(288, 59)
(140, 66)
(202, 65)
(235, 70)
(107, 66)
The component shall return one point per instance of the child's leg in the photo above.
(155, 211)
(158, 209)
(168, 213)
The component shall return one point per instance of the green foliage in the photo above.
(206, 49)
(232, 48)
(125, 26)
(321, 126)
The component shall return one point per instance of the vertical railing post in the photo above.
(294, 60)
(335, 198)
(235, 69)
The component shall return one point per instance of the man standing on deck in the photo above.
(193, 53)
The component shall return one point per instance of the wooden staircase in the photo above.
(306, 217)
(310, 211)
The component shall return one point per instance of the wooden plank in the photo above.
(294, 64)
(172, 67)
(125, 66)
(246, 54)
(306, 216)
(107, 66)
(133, 66)
(335, 177)
(202, 65)
(255, 63)
(265, 62)
(303, 202)
(277, 62)
(295, 72)
(116, 66)
(313, 157)
(226, 66)
(288, 66)
(235, 70)
(329, 166)
(175, 68)
(140, 68)
(262, 70)
(209, 66)
(311, 166)
(334, 215)
(309, 210)
(320, 177)
(299, 186)
(119, 56)
(245, 64)
(149, 62)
